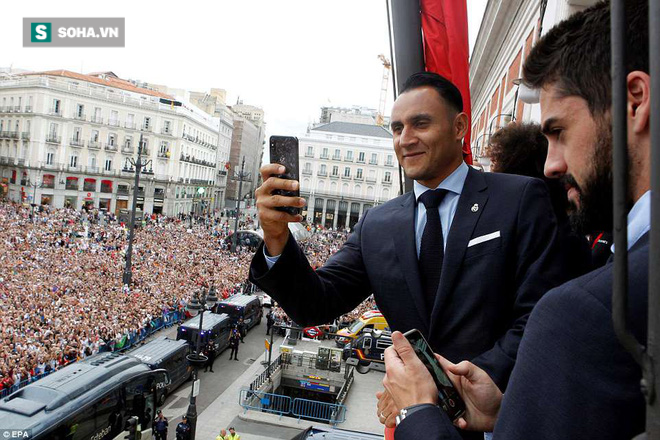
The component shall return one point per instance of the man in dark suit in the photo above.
(572, 378)
(468, 285)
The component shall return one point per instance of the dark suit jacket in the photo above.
(486, 291)
(573, 379)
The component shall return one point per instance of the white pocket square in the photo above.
(483, 238)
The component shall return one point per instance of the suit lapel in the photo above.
(406, 251)
(474, 195)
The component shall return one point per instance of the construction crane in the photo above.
(380, 119)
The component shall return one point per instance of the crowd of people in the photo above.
(61, 291)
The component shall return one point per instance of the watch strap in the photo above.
(407, 411)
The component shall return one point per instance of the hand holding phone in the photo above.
(284, 151)
(448, 397)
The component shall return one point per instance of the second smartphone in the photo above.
(284, 151)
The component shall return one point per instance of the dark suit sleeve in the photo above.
(312, 297)
(538, 269)
(427, 424)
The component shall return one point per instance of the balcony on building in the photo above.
(167, 131)
(55, 111)
(17, 109)
(345, 177)
(14, 135)
(53, 139)
(360, 178)
(389, 164)
(145, 128)
(386, 181)
(371, 180)
(110, 147)
(308, 154)
(73, 168)
(28, 109)
(336, 157)
(307, 171)
(96, 120)
(94, 145)
(164, 154)
(92, 170)
(324, 156)
(322, 173)
(122, 190)
(77, 143)
(127, 149)
(373, 162)
(348, 159)
(25, 135)
(130, 125)
(79, 116)
(114, 122)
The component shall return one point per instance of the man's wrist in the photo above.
(409, 410)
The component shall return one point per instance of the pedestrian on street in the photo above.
(222, 435)
(209, 351)
(232, 434)
(242, 329)
(270, 320)
(160, 426)
(183, 430)
(234, 339)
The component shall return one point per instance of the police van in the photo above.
(215, 328)
(368, 350)
(169, 355)
(247, 307)
(371, 320)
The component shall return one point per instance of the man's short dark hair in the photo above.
(445, 88)
(519, 149)
(575, 55)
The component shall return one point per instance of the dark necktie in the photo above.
(431, 251)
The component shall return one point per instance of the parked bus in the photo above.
(90, 399)
(169, 355)
(242, 306)
(216, 328)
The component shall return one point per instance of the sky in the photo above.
(289, 57)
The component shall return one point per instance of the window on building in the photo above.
(2, 125)
(130, 120)
(128, 141)
(114, 117)
(73, 161)
(56, 106)
(80, 111)
(97, 115)
(95, 135)
(361, 156)
(324, 153)
(388, 176)
(335, 170)
(337, 155)
(167, 127)
(112, 138)
(147, 122)
(108, 164)
(92, 161)
(358, 174)
(310, 151)
(50, 157)
(323, 169)
(389, 160)
(53, 129)
(349, 155)
(77, 133)
(374, 159)
(308, 167)
(89, 184)
(347, 172)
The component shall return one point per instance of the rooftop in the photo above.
(355, 129)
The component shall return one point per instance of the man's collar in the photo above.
(639, 219)
(454, 182)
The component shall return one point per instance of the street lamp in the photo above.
(241, 175)
(138, 164)
(198, 304)
(200, 193)
(36, 184)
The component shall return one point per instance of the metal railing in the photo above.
(53, 139)
(325, 412)
(263, 377)
(94, 145)
(77, 143)
(265, 402)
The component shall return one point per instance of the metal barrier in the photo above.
(167, 320)
(263, 377)
(325, 412)
(265, 402)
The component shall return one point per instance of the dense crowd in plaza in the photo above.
(61, 292)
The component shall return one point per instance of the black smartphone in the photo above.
(448, 396)
(284, 150)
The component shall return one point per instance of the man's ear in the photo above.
(460, 126)
(639, 101)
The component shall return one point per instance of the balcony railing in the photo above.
(336, 157)
(14, 135)
(386, 181)
(345, 177)
(55, 111)
(109, 147)
(307, 172)
(145, 128)
(28, 109)
(25, 135)
(389, 164)
(334, 176)
(371, 179)
(79, 116)
(94, 145)
(359, 178)
(360, 161)
(122, 190)
(128, 149)
(73, 168)
(348, 159)
(322, 173)
(17, 109)
(130, 125)
(113, 123)
(167, 131)
(53, 139)
(164, 154)
(77, 143)
(92, 170)
(308, 154)
(324, 156)
(96, 120)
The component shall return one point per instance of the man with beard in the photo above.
(572, 377)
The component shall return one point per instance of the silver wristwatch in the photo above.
(405, 412)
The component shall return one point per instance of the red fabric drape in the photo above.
(446, 50)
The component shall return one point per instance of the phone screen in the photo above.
(449, 399)
(284, 150)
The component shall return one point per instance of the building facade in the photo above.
(246, 142)
(68, 139)
(508, 31)
(345, 169)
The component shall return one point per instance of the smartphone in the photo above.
(284, 150)
(449, 399)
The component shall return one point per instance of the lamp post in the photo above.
(200, 193)
(36, 184)
(197, 359)
(241, 175)
(138, 164)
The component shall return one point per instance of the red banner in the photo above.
(446, 50)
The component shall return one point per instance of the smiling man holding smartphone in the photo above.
(463, 258)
